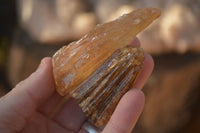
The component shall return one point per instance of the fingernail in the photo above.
(135, 42)
(41, 65)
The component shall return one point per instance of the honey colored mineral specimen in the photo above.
(98, 69)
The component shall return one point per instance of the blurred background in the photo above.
(33, 29)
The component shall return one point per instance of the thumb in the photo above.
(19, 104)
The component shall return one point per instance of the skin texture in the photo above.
(26, 108)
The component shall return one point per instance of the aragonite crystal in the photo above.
(98, 69)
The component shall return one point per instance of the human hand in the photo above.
(27, 107)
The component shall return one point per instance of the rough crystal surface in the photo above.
(77, 61)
